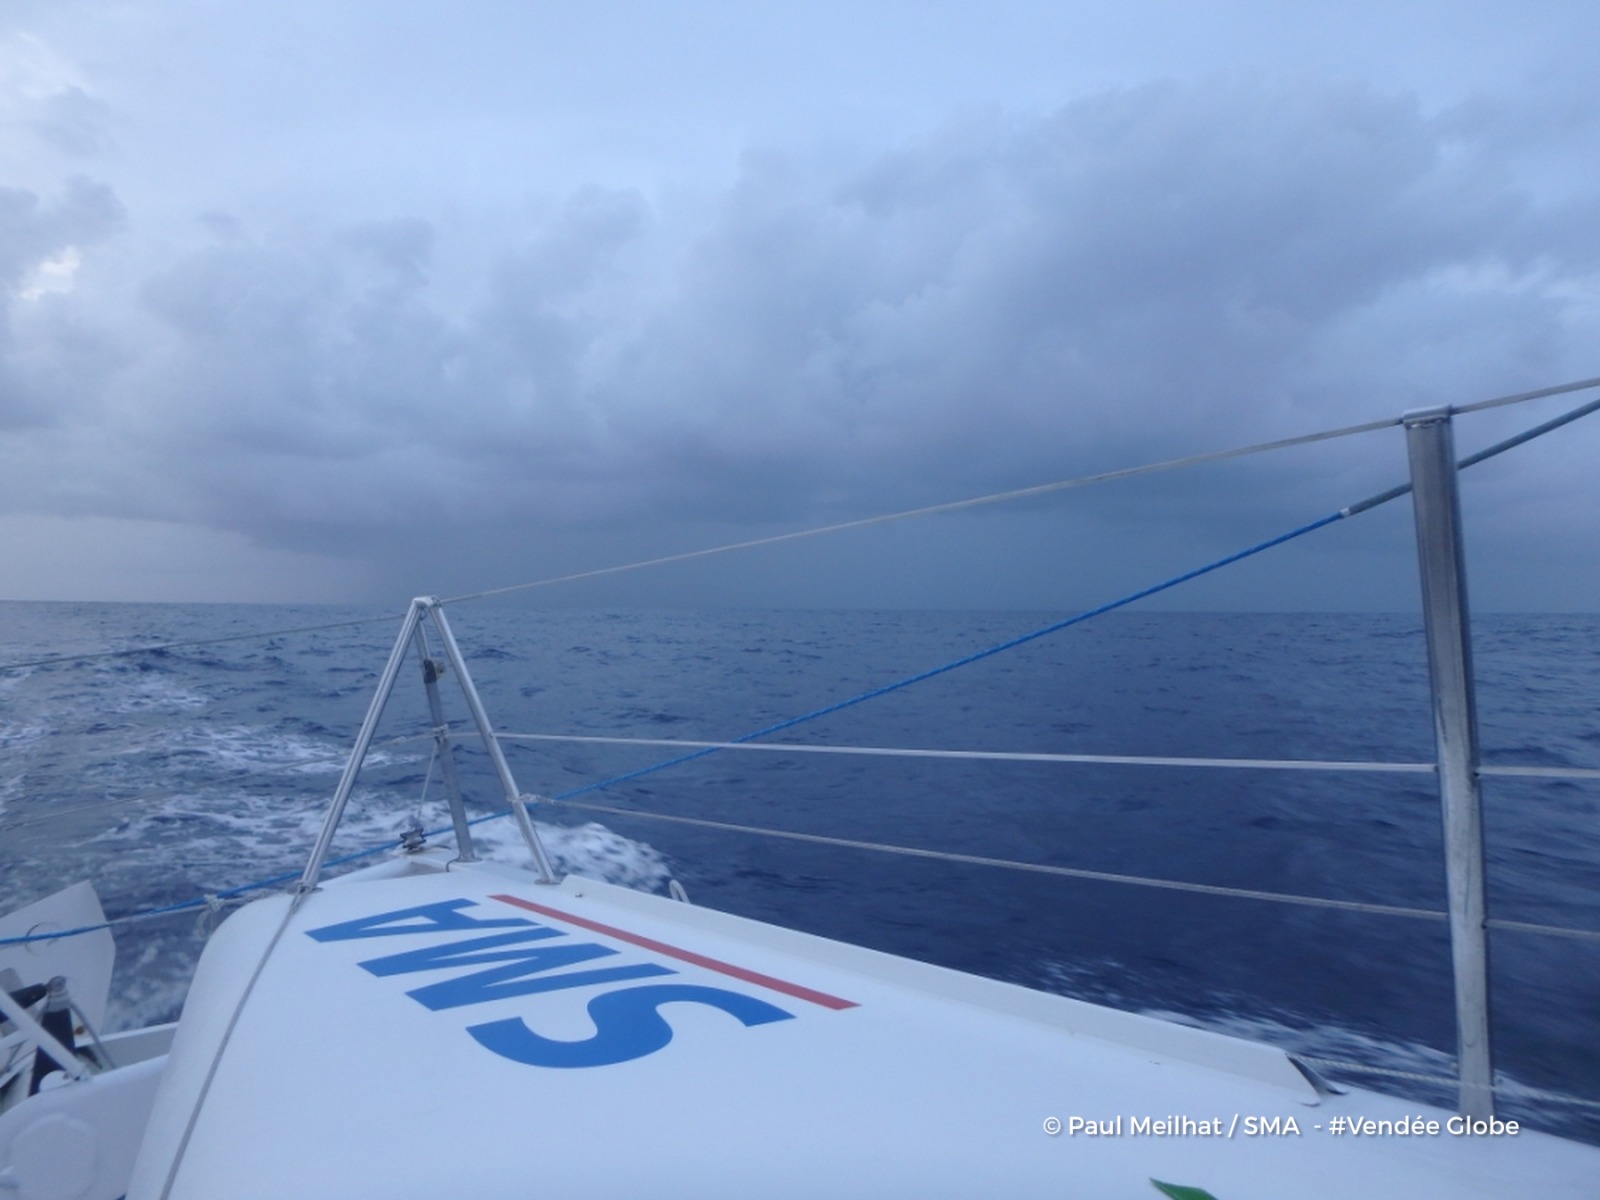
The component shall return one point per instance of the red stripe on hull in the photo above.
(688, 956)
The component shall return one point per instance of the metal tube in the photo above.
(42, 1038)
(441, 741)
(358, 753)
(491, 743)
(1430, 447)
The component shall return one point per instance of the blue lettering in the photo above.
(499, 983)
(628, 1022)
(627, 1026)
(460, 954)
(424, 918)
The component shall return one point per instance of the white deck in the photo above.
(796, 1067)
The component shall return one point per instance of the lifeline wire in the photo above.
(1074, 759)
(1122, 760)
(978, 860)
(1149, 881)
(1116, 760)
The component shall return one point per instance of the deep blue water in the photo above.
(174, 773)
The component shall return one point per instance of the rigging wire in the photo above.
(906, 514)
(932, 509)
(1560, 389)
(1047, 488)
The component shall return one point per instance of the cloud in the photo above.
(1007, 299)
(32, 232)
(74, 122)
(1016, 298)
(45, 103)
(41, 247)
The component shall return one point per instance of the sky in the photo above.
(310, 302)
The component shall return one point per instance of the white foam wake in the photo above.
(590, 850)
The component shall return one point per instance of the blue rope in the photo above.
(965, 660)
(165, 910)
(778, 727)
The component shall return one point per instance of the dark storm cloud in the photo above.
(1009, 299)
(1013, 298)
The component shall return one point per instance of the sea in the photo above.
(166, 765)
